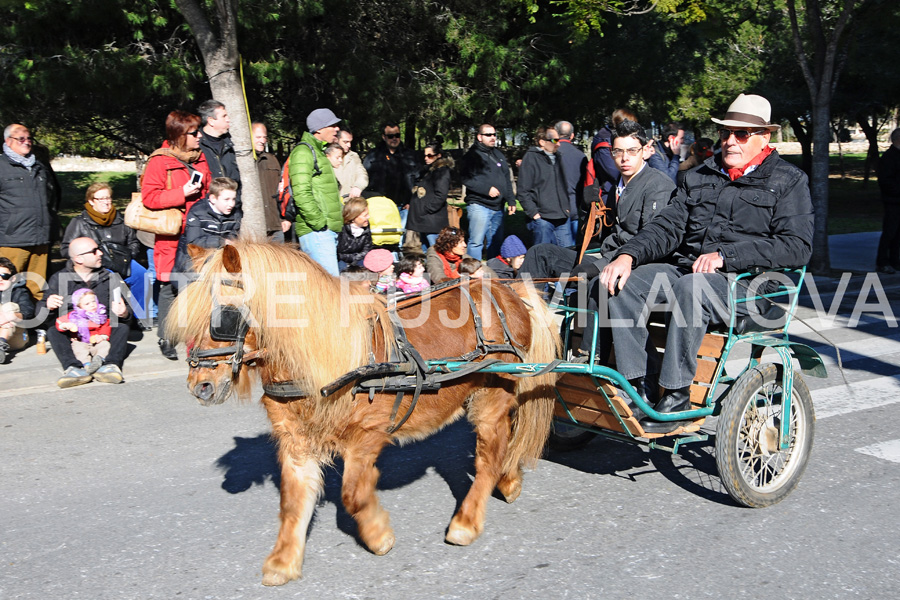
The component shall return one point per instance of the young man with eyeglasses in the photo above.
(488, 182)
(392, 169)
(85, 270)
(27, 191)
(746, 208)
(541, 191)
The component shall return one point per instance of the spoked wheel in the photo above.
(566, 438)
(754, 470)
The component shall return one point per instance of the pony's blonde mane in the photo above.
(314, 326)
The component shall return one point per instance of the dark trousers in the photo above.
(693, 299)
(167, 292)
(62, 346)
(889, 246)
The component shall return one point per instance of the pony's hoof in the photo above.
(511, 492)
(276, 578)
(385, 546)
(460, 537)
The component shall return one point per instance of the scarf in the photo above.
(449, 260)
(187, 156)
(757, 160)
(356, 230)
(83, 319)
(25, 161)
(101, 219)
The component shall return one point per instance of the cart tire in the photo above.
(754, 471)
(565, 438)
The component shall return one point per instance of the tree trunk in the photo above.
(818, 182)
(805, 139)
(221, 59)
(871, 131)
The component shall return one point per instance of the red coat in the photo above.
(157, 193)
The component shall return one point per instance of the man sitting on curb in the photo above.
(85, 270)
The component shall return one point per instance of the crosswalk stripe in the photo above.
(889, 450)
(863, 395)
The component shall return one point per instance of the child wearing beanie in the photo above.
(512, 253)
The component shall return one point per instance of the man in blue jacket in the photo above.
(667, 156)
(488, 181)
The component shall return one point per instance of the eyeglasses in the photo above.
(741, 135)
(23, 139)
(6, 276)
(491, 134)
(391, 136)
(616, 153)
(194, 133)
(95, 250)
(102, 199)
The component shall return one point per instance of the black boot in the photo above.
(4, 348)
(168, 350)
(672, 401)
(647, 393)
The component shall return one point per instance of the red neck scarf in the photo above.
(739, 172)
(450, 259)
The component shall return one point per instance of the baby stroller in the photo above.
(384, 222)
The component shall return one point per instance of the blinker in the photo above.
(228, 324)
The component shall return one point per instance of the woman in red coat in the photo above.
(167, 184)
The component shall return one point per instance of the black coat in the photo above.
(428, 208)
(391, 175)
(205, 228)
(542, 186)
(222, 161)
(483, 168)
(118, 242)
(20, 294)
(889, 175)
(764, 219)
(644, 196)
(26, 199)
(351, 249)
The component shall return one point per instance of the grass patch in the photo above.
(75, 183)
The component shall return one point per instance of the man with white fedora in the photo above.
(742, 209)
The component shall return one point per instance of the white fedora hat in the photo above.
(749, 110)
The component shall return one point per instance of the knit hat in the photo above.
(78, 294)
(321, 118)
(512, 246)
(378, 260)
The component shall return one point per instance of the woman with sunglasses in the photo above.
(167, 183)
(542, 191)
(428, 208)
(102, 222)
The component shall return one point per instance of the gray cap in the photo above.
(320, 118)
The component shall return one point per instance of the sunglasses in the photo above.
(391, 136)
(491, 134)
(95, 250)
(741, 135)
(6, 276)
(193, 133)
(430, 155)
(552, 140)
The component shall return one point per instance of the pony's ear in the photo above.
(231, 260)
(198, 255)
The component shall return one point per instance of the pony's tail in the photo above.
(536, 395)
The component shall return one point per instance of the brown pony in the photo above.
(310, 328)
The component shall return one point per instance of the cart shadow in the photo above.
(693, 469)
(449, 453)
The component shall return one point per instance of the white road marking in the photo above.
(863, 395)
(889, 450)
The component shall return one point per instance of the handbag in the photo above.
(167, 221)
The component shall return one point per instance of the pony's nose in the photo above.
(204, 390)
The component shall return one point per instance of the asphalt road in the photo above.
(136, 491)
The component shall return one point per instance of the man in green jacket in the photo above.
(315, 190)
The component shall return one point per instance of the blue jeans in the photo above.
(485, 231)
(573, 225)
(152, 299)
(552, 231)
(135, 283)
(322, 248)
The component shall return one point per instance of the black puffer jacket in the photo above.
(542, 186)
(205, 228)
(428, 208)
(117, 241)
(351, 249)
(25, 200)
(391, 175)
(764, 219)
(483, 168)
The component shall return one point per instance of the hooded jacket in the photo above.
(542, 186)
(762, 219)
(316, 196)
(428, 208)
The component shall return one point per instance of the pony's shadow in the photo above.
(450, 453)
(694, 469)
